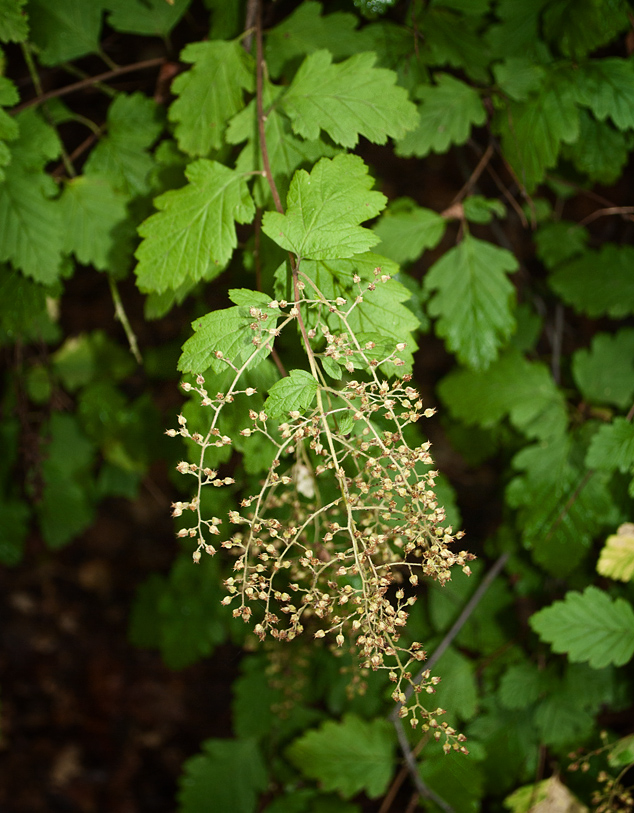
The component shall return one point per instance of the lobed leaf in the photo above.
(473, 300)
(612, 447)
(347, 100)
(63, 32)
(324, 210)
(599, 283)
(14, 22)
(194, 234)
(604, 373)
(616, 560)
(607, 88)
(294, 392)
(406, 230)
(209, 94)
(588, 626)
(228, 332)
(448, 111)
(154, 18)
(232, 773)
(348, 756)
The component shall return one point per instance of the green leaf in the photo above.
(533, 131)
(454, 40)
(518, 77)
(600, 152)
(209, 93)
(31, 224)
(38, 143)
(479, 209)
(348, 756)
(382, 311)
(576, 27)
(189, 615)
(305, 31)
(294, 392)
(616, 560)
(612, 447)
(549, 794)
(519, 29)
(605, 372)
(473, 300)
(228, 332)
(521, 686)
(65, 32)
(347, 100)
(621, 753)
(194, 234)
(599, 283)
(406, 230)
(324, 210)
(66, 508)
(588, 626)
(254, 700)
(227, 775)
(561, 507)
(91, 211)
(448, 111)
(457, 691)
(458, 781)
(561, 241)
(607, 88)
(560, 721)
(154, 18)
(14, 22)
(512, 386)
(286, 151)
(133, 124)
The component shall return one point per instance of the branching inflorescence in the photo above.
(346, 517)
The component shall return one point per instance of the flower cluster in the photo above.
(346, 519)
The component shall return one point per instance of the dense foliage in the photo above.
(331, 192)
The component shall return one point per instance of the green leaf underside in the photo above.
(407, 230)
(324, 210)
(294, 392)
(447, 112)
(473, 300)
(209, 94)
(229, 332)
(612, 447)
(588, 626)
(605, 372)
(348, 756)
(347, 100)
(232, 773)
(194, 234)
(599, 283)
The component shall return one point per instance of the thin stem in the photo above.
(123, 318)
(610, 210)
(88, 82)
(259, 84)
(473, 178)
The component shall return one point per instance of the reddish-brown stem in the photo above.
(91, 80)
(259, 89)
(473, 179)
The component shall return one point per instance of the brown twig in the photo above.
(473, 178)
(91, 80)
(610, 210)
